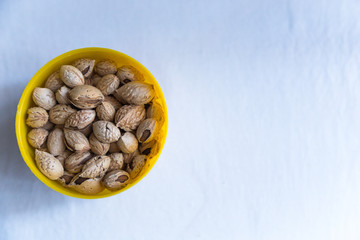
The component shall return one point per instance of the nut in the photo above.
(85, 65)
(65, 179)
(116, 180)
(86, 97)
(62, 95)
(37, 117)
(114, 148)
(95, 167)
(88, 81)
(43, 148)
(105, 111)
(108, 84)
(48, 165)
(48, 126)
(89, 186)
(86, 130)
(119, 98)
(44, 97)
(145, 148)
(95, 79)
(80, 119)
(129, 117)
(56, 142)
(128, 157)
(64, 155)
(98, 147)
(66, 134)
(105, 67)
(128, 74)
(54, 82)
(128, 142)
(155, 111)
(71, 76)
(59, 113)
(75, 162)
(115, 103)
(146, 130)
(37, 137)
(76, 141)
(117, 161)
(106, 132)
(136, 93)
(136, 165)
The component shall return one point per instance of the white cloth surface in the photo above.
(264, 118)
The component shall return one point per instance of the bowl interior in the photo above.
(39, 79)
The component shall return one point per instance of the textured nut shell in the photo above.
(62, 95)
(128, 74)
(61, 126)
(48, 126)
(105, 111)
(76, 161)
(80, 119)
(86, 97)
(155, 111)
(119, 98)
(106, 132)
(37, 137)
(71, 76)
(37, 117)
(114, 148)
(147, 130)
(89, 186)
(136, 165)
(129, 117)
(98, 147)
(146, 148)
(59, 113)
(86, 130)
(105, 67)
(54, 82)
(44, 97)
(117, 161)
(66, 178)
(96, 167)
(76, 141)
(88, 81)
(127, 143)
(128, 157)
(64, 155)
(116, 179)
(48, 165)
(115, 103)
(95, 79)
(136, 93)
(43, 148)
(56, 142)
(85, 65)
(108, 84)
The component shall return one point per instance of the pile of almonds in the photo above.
(94, 125)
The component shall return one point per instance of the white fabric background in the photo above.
(264, 118)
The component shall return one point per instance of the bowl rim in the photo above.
(22, 100)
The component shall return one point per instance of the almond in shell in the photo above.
(37, 117)
(136, 93)
(129, 117)
(86, 97)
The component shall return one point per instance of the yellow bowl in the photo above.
(39, 79)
